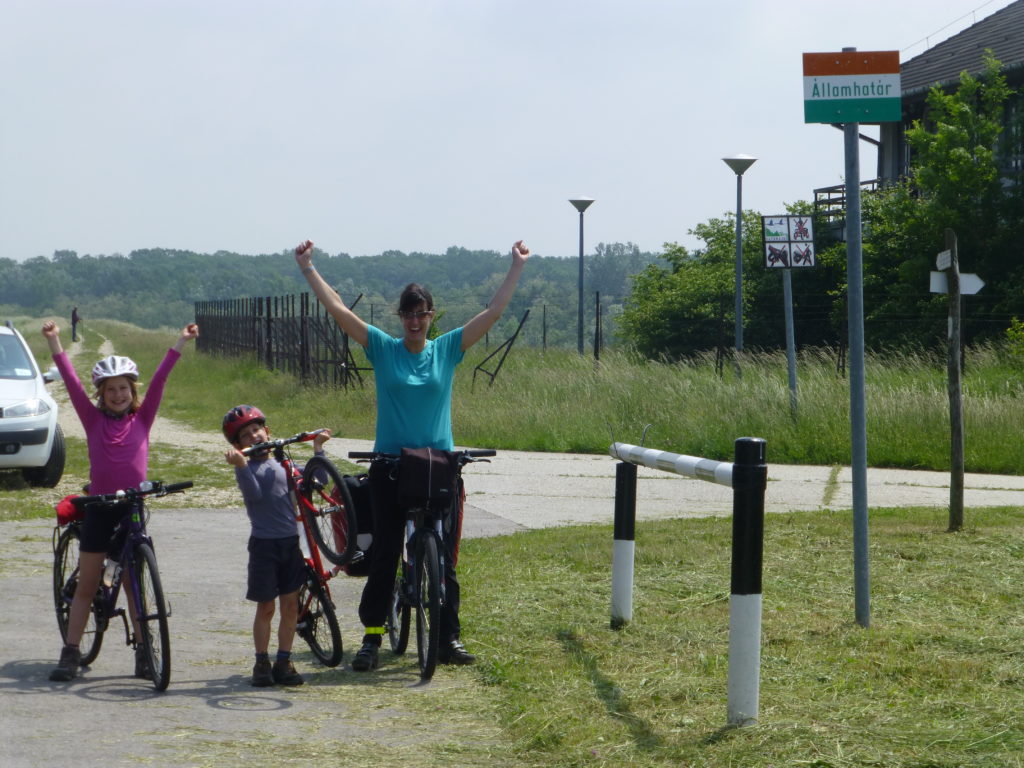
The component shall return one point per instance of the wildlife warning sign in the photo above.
(788, 241)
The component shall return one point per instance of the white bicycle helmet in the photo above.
(114, 365)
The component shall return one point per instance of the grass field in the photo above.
(936, 682)
(559, 401)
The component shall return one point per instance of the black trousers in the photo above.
(388, 540)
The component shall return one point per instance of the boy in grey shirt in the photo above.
(276, 564)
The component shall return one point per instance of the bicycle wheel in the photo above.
(318, 623)
(399, 614)
(156, 635)
(65, 582)
(428, 603)
(330, 510)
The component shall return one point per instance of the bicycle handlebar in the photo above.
(465, 456)
(301, 437)
(146, 488)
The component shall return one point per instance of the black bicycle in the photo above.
(420, 584)
(131, 561)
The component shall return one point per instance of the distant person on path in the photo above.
(75, 320)
(413, 378)
(117, 426)
(276, 565)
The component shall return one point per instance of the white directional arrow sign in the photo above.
(970, 283)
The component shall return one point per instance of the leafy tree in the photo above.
(687, 306)
(957, 182)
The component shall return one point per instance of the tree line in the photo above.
(158, 287)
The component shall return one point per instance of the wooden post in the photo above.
(956, 423)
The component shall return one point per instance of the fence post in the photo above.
(624, 545)
(749, 479)
(305, 353)
(268, 335)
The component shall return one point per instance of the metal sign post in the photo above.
(852, 87)
(788, 242)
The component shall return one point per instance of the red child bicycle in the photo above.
(326, 515)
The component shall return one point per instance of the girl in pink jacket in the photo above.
(117, 426)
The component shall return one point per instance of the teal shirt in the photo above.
(414, 392)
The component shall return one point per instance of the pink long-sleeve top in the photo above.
(118, 447)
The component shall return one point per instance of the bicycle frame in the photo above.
(135, 534)
(303, 508)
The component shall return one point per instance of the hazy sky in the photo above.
(415, 125)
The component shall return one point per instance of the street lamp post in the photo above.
(739, 163)
(580, 204)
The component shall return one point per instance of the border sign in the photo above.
(788, 241)
(852, 87)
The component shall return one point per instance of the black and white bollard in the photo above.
(749, 480)
(624, 546)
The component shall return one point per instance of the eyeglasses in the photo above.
(416, 315)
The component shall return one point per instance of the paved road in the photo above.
(202, 557)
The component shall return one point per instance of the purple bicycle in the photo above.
(131, 562)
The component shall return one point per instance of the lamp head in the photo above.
(739, 163)
(581, 203)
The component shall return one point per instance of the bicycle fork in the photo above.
(413, 570)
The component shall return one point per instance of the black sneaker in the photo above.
(142, 670)
(284, 673)
(366, 658)
(67, 667)
(262, 675)
(455, 653)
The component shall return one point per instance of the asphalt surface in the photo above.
(108, 718)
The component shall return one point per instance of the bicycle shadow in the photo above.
(235, 692)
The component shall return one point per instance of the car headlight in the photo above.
(33, 407)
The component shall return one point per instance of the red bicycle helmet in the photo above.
(238, 418)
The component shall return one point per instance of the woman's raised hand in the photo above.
(50, 329)
(519, 251)
(304, 253)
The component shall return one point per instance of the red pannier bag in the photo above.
(68, 511)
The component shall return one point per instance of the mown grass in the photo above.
(937, 681)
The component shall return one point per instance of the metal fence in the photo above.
(285, 333)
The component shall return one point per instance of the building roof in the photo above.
(1002, 32)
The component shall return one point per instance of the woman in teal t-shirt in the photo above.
(414, 379)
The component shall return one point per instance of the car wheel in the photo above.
(48, 475)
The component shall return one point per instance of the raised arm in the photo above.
(52, 333)
(348, 320)
(475, 329)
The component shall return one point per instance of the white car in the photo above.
(30, 437)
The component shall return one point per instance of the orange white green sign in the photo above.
(852, 87)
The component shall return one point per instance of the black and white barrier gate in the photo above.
(748, 478)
